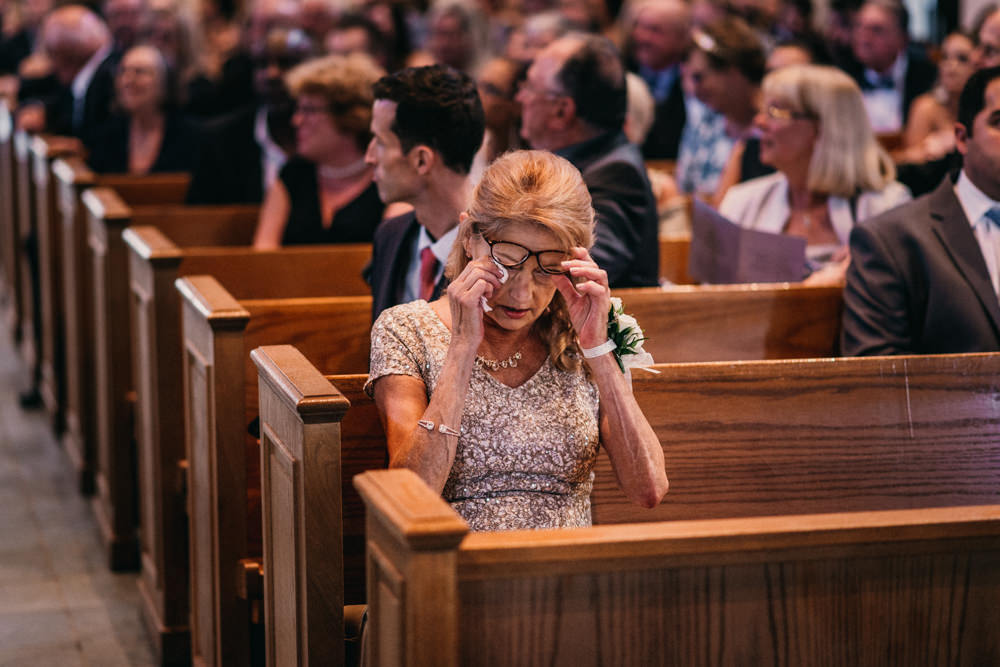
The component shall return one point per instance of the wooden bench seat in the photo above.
(741, 440)
(114, 466)
(155, 262)
(72, 177)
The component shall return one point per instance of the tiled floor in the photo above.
(59, 603)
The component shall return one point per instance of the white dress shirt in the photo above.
(271, 155)
(885, 105)
(975, 203)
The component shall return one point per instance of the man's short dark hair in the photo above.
(973, 97)
(731, 42)
(439, 107)
(594, 77)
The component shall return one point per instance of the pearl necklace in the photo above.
(495, 364)
(346, 171)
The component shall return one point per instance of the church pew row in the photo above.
(155, 262)
(222, 456)
(910, 587)
(741, 440)
(8, 224)
(113, 460)
(214, 329)
(33, 155)
(72, 177)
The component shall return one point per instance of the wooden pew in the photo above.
(45, 150)
(674, 260)
(741, 440)
(8, 223)
(31, 237)
(913, 587)
(115, 465)
(72, 178)
(220, 383)
(155, 262)
(889, 441)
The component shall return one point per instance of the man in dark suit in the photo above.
(890, 76)
(573, 103)
(427, 124)
(246, 149)
(78, 44)
(658, 41)
(925, 277)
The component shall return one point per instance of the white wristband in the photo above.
(603, 348)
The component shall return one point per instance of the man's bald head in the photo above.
(71, 35)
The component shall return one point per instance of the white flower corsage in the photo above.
(625, 339)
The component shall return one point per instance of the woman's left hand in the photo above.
(588, 300)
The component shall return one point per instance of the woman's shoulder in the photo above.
(742, 194)
(416, 316)
(873, 202)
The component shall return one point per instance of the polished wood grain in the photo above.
(155, 263)
(107, 216)
(820, 435)
(674, 252)
(914, 587)
(733, 322)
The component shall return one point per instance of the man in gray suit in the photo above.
(925, 277)
(573, 104)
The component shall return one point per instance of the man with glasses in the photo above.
(573, 103)
(427, 124)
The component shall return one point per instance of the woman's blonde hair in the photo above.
(543, 189)
(846, 159)
(345, 82)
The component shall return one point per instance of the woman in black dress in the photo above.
(325, 193)
(147, 134)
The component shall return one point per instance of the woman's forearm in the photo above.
(635, 451)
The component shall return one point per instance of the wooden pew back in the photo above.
(107, 217)
(8, 221)
(223, 459)
(914, 587)
(155, 262)
(73, 177)
(740, 440)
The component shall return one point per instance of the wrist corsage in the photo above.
(625, 339)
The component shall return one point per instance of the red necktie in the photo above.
(428, 272)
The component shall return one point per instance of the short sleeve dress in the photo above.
(526, 454)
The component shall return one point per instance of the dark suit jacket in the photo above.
(391, 255)
(920, 76)
(664, 136)
(918, 283)
(178, 149)
(96, 105)
(627, 227)
(229, 169)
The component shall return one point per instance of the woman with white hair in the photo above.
(831, 172)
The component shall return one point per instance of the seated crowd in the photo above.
(404, 127)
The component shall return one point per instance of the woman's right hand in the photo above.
(479, 279)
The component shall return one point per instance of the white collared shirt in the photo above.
(441, 249)
(271, 155)
(885, 107)
(81, 82)
(975, 203)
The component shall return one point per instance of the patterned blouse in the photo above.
(526, 454)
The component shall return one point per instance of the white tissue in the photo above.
(504, 274)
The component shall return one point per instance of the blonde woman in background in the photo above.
(831, 172)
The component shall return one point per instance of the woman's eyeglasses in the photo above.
(774, 112)
(513, 255)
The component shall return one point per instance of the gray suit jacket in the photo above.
(918, 283)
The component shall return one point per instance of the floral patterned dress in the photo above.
(526, 454)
